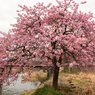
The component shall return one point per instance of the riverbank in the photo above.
(72, 84)
(18, 86)
(36, 76)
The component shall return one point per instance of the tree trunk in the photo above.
(48, 75)
(55, 77)
(0, 89)
(49, 72)
(56, 68)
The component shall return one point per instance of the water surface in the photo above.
(19, 87)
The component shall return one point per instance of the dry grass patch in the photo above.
(85, 83)
(37, 76)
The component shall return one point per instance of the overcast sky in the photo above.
(8, 10)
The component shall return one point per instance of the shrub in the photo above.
(46, 91)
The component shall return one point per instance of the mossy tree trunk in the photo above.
(56, 68)
(55, 77)
(0, 91)
(55, 73)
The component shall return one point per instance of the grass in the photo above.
(66, 89)
(84, 83)
(46, 91)
(28, 92)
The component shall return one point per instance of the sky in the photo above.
(8, 10)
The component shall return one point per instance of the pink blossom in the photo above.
(54, 34)
(70, 66)
(57, 38)
(83, 2)
(56, 52)
(58, 64)
(74, 62)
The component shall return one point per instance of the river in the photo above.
(19, 87)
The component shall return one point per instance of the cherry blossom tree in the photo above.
(52, 35)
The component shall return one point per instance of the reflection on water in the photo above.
(19, 87)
